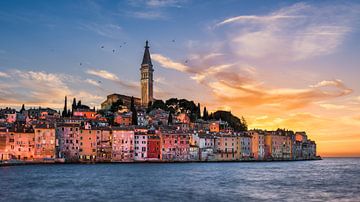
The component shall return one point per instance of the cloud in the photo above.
(5, 75)
(157, 3)
(40, 88)
(170, 64)
(254, 18)
(103, 74)
(331, 106)
(149, 15)
(103, 29)
(112, 77)
(92, 82)
(298, 32)
(33, 88)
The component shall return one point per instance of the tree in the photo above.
(205, 114)
(116, 105)
(64, 113)
(134, 112)
(198, 111)
(234, 122)
(170, 119)
(22, 108)
(244, 123)
(73, 107)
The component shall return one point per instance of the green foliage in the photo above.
(158, 104)
(134, 112)
(116, 105)
(234, 122)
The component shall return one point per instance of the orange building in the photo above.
(88, 145)
(44, 141)
(86, 113)
(4, 145)
(22, 143)
(214, 127)
(124, 119)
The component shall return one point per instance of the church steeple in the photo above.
(147, 58)
(146, 80)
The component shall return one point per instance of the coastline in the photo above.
(26, 163)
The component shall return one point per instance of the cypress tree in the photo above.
(134, 112)
(198, 111)
(205, 114)
(22, 108)
(73, 107)
(64, 113)
(170, 119)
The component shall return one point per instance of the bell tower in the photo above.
(146, 78)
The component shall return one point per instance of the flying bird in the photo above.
(113, 50)
(102, 46)
(80, 63)
(173, 40)
(186, 61)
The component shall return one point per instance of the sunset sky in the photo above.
(290, 64)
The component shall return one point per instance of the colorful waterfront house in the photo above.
(68, 135)
(122, 144)
(45, 141)
(124, 119)
(207, 147)
(88, 145)
(194, 153)
(277, 145)
(22, 143)
(153, 147)
(175, 145)
(312, 149)
(226, 146)
(104, 143)
(4, 145)
(205, 143)
(257, 144)
(244, 146)
(140, 146)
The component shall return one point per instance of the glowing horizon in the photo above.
(290, 65)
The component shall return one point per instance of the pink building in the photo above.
(226, 147)
(122, 144)
(175, 145)
(68, 135)
(140, 146)
(104, 143)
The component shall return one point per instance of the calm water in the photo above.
(329, 179)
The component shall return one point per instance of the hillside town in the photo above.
(145, 129)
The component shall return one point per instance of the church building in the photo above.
(146, 82)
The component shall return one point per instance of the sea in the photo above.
(330, 179)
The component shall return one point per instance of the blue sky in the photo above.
(281, 64)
